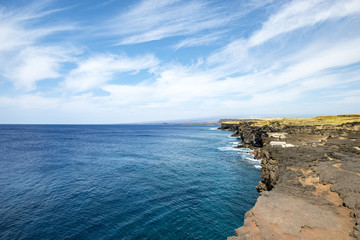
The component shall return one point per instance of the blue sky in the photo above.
(113, 61)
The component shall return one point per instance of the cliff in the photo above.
(311, 178)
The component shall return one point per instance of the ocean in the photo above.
(123, 182)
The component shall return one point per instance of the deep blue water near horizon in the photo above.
(122, 182)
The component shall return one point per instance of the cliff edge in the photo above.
(311, 178)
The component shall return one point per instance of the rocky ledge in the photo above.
(311, 178)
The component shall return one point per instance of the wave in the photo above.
(253, 160)
(215, 128)
(234, 137)
(246, 150)
(229, 149)
(246, 157)
(256, 163)
(250, 159)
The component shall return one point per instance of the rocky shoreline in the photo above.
(311, 179)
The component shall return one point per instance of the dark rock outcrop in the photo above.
(228, 127)
(251, 135)
(308, 171)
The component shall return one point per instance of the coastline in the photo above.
(311, 172)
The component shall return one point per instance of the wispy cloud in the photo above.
(153, 20)
(299, 14)
(33, 64)
(97, 70)
(31, 102)
(245, 55)
(201, 40)
(24, 58)
(316, 66)
(17, 25)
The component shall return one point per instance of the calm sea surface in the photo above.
(122, 182)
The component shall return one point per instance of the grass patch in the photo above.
(320, 120)
(316, 121)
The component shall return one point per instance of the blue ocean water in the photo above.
(122, 182)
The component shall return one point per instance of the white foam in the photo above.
(235, 143)
(213, 128)
(248, 158)
(229, 149)
(253, 160)
(245, 150)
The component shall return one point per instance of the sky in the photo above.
(111, 61)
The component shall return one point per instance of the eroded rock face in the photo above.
(250, 135)
(229, 127)
(310, 190)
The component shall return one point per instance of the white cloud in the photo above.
(282, 81)
(24, 59)
(318, 70)
(16, 30)
(199, 40)
(126, 95)
(95, 71)
(303, 13)
(154, 20)
(33, 64)
(151, 20)
(28, 101)
(290, 17)
(335, 55)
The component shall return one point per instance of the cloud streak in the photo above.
(15, 31)
(152, 20)
(97, 70)
(201, 40)
(23, 58)
(298, 14)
